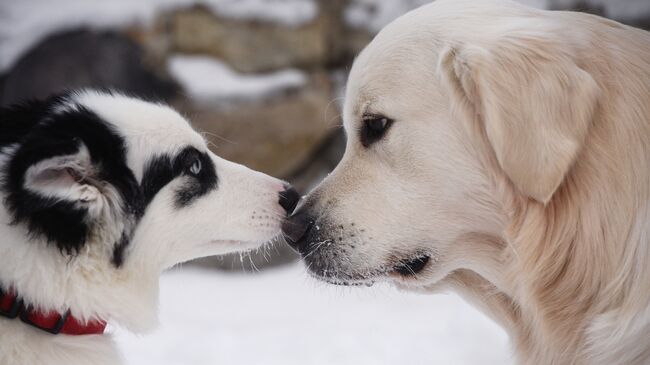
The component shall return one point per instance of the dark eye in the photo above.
(374, 127)
(195, 167)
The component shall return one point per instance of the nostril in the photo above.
(296, 228)
(289, 198)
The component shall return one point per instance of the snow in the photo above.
(23, 23)
(205, 79)
(287, 12)
(282, 316)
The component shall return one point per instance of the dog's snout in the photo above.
(296, 228)
(289, 198)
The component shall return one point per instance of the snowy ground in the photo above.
(205, 79)
(284, 317)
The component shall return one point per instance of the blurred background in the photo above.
(263, 80)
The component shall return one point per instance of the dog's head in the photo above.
(444, 121)
(101, 192)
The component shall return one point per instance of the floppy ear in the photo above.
(535, 103)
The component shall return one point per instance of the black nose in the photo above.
(289, 198)
(296, 228)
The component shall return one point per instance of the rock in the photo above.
(206, 80)
(257, 46)
(84, 58)
(276, 136)
(322, 161)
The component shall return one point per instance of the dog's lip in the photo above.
(411, 267)
(405, 270)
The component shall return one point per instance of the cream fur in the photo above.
(519, 160)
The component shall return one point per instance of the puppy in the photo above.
(101, 192)
(501, 152)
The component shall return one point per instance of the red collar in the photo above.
(11, 306)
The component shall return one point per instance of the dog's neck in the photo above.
(562, 278)
(558, 320)
(88, 284)
(13, 307)
(483, 281)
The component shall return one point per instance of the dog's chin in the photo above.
(334, 280)
(225, 246)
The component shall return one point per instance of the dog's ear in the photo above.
(67, 179)
(535, 103)
(52, 187)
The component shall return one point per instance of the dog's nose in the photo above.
(289, 198)
(296, 228)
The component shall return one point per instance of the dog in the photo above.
(501, 152)
(101, 192)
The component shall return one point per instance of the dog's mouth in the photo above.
(411, 267)
(405, 269)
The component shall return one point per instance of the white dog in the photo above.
(102, 192)
(502, 152)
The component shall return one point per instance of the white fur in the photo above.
(89, 284)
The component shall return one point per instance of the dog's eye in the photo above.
(374, 127)
(195, 167)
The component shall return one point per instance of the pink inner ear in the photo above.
(55, 178)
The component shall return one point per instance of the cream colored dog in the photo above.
(502, 152)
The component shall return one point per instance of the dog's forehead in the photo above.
(404, 56)
(380, 77)
(141, 122)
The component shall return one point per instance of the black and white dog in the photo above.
(101, 192)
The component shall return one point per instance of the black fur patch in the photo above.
(18, 119)
(161, 170)
(42, 134)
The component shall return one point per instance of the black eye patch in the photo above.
(203, 177)
(374, 128)
(161, 170)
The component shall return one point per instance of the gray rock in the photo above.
(256, 46)
(275, 137)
